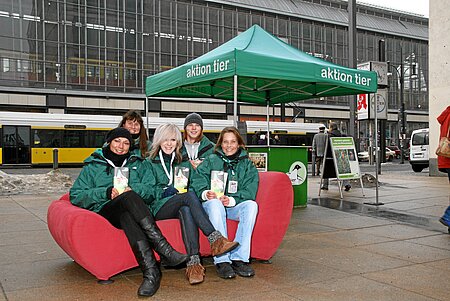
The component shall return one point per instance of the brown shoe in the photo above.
(220, 245)
(195, 273)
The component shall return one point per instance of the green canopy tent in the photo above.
(257, 67)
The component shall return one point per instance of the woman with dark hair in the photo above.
(133, 122)
(227, 182)
(110, 184)
(167, 202)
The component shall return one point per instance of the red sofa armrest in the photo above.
(89, 239)
(275, 200)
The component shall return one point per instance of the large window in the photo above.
(112, 45)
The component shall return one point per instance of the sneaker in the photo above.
(225, 271)
(243, 269)
(444, 222)
(347, 187)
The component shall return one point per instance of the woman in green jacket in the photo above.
(104, 187)
(227, 182)
(134, 123)
(167, 202)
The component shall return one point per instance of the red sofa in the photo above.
(92, 242)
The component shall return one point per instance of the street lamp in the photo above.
(402, 113)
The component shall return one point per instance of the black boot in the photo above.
(150, 270)
(169, 256)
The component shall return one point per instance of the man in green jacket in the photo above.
(196, 146)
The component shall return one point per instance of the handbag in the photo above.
(444, 146)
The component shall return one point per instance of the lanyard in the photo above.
(229, 163)
(169, 175)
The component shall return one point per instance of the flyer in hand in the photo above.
(181, 179)
(121, 178)
(218, 182)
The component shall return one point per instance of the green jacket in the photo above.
(245, 173)
(135, 148)
(89, 189)
(158, 181)
(205, 149)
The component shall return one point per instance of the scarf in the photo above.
(115, 158)
(230, 162)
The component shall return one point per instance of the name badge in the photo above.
(232, 186)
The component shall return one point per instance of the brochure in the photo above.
(181, 179)
(218, 182)
(121, 178)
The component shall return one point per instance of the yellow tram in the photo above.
(30, 138)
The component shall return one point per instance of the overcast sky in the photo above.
(415, 6)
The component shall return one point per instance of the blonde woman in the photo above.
(167, 202)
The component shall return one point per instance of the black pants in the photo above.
(125, 212)
(189, 210)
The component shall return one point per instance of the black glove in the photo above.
(169, 191)
(108, 192)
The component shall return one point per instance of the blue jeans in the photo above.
(446, 215)
(245, 213)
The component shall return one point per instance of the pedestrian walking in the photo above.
(334, 132)
(444, 162)
(318, 147)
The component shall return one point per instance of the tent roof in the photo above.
(267, 68)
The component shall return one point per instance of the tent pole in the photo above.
(268, 129)
(146, 114)
(235, 88)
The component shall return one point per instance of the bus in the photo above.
(29, 139)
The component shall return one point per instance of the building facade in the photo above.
(439, 74)
(92, 56)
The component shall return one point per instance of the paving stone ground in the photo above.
(327, 254)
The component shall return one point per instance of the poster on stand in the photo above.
(345, 159)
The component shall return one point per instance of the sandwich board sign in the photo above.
(343, 163)
(344, 156)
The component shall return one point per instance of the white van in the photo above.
(418, 156)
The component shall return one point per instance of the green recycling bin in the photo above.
(292, 160)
